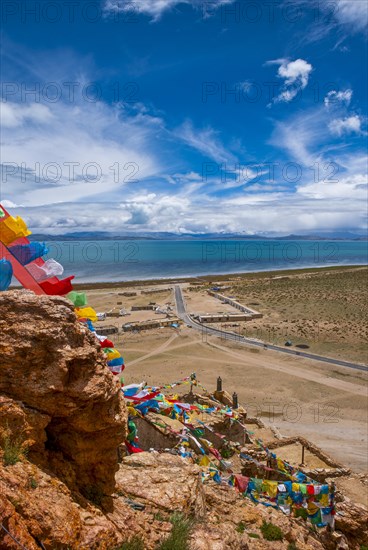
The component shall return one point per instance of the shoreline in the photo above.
(212, 276)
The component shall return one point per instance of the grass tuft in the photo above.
(179, 536)
(33, 483)
(136, 543)
(240, 527)
(13, 449)
(271, 531)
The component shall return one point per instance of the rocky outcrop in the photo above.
(163, 481)
(36, 507)
(62, 419)
(240, 523)
(223, 519)
(352, 521)
(57, 393)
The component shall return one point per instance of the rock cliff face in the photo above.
(36, 507)
(57, 394)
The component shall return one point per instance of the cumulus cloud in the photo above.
(330, 208)
(339, 188)
(156, 211)
(295, 75)
(295, 72)
(335, 98)
(326, 205)
(349, 125)
(156, 8)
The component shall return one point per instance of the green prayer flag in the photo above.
(79, 299)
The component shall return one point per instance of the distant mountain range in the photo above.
(104, 235)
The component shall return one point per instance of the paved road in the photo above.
(205, 329)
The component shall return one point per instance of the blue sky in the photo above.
(188, 117)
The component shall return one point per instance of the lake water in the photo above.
(108, 261)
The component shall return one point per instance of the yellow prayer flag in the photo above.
(205, 461)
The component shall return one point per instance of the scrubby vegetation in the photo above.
(13, 449)
(271, 531)
(136, 543)
(33, 483)
(179, 536)
(240, 527)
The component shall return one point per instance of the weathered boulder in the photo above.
(70, 404)
(14, 532)
(29, 424)
(163, 481)
(352, 520)
(224, 519)
(36, 507)
(240, 521)
(210, 537)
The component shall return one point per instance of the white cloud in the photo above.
(342, 188)
(156, 211)
(187, 177)
(343, 17)
(278, 212)
(333, 182)
(206, 141)
(306, 136)
(315, 206)
(339, 19)
(353, 13)
(327, 205)
(110, 149)
(188, 183)
(295, 72)
(155, 8)
(295, 75)
(10, 204)
(13, 114)
(334, 97)
(169, 196)
(349, 125)
(301, 136)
